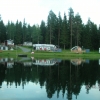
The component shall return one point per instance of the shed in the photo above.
(9, 42)
(3, 47)
(27, 43)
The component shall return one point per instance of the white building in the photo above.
(2, 47)
(27, 43)
(45, 47)
(9, 42)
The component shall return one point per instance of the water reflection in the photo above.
(79, 61)
(66, 76)
(46, 62)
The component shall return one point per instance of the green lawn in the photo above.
(65, 54)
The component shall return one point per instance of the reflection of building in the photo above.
(79, 61)
(9, 62)
(27, 63)
(99, 61)
(46, 62)
(2, 60)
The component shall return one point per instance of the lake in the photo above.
(54, 79)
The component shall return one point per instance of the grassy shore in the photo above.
(65, 54)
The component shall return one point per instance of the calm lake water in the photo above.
(54, 79)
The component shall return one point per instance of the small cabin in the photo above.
(3, 47)
(44, 47)
(27, 43)
(9, 42)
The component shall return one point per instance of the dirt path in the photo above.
(24, 49)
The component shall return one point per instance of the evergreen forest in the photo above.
(63, 32)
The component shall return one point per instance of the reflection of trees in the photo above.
(42, 76)
(64, 77)
(2, 73)
(51, 81)
(90, 74)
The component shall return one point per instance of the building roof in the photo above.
(43, 45)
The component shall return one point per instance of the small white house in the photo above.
(9, 42)
(2, 47)
(27, 43)
(44, 47)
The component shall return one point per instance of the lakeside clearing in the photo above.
(65, 54)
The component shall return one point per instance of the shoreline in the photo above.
(65, 54)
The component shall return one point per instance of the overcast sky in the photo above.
(34, 11)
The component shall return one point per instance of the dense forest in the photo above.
(64, 32)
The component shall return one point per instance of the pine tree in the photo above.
(64, 33)
(51, 25)
(77, 29)
(3, 35)
(43, 31)
(71, 17)
(59, 27)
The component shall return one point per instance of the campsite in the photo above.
(65, 54)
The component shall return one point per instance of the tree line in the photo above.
(64, 32)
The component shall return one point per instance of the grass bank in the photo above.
(65, 54)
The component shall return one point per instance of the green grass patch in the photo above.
(65, 54)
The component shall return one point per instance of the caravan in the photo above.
(44, 47)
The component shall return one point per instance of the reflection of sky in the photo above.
(33, 91)
(94, 94)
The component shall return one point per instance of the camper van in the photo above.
(44, 47)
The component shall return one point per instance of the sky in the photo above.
(34, 11)
(34, 91)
